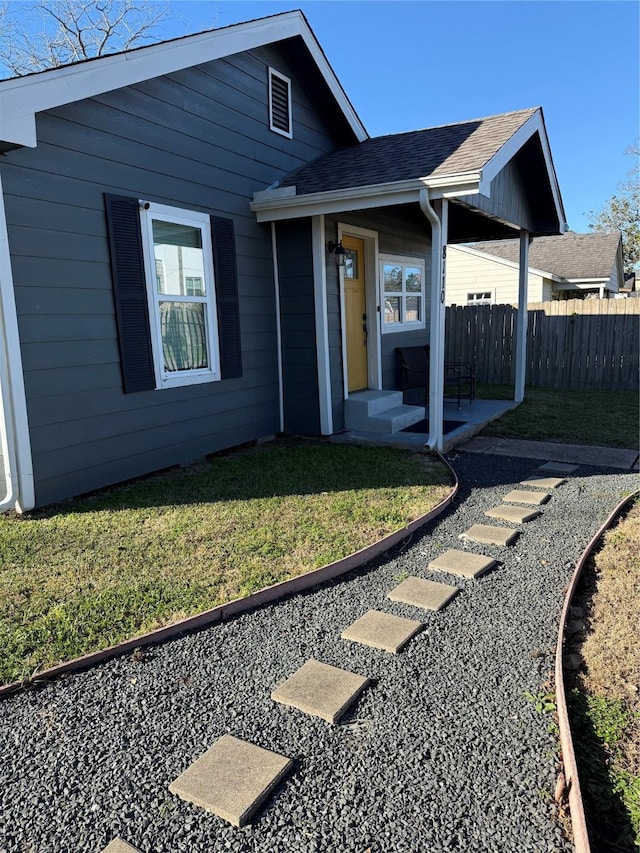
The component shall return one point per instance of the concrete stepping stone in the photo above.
(119, 846)
(232, 779)
(490, 535)
(543, 482)
(382, 631)
(516, 514)
(321, 690)
(428, 595)
(521, 496)
(461, 563)
(561, 469)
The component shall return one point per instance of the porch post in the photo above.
(522, 317)
(322, 324)
(439, 225)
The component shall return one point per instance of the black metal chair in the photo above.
(413, 368)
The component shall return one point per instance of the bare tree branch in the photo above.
(621, 213)
(49, 33)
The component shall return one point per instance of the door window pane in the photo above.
(351, 264)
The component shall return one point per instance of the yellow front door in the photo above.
(355, 309)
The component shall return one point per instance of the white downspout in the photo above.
(14, 425)
(276, 284)
(436, 324)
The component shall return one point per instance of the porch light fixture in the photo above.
(337, 249)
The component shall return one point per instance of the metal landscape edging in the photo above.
(570, 784)
(242, 605)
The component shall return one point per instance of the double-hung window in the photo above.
(181, 290)
(484, 297)
(403, 293)
(175, 290)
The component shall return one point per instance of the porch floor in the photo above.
(473, 417)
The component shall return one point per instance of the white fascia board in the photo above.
(270, 207)
(23, 97)
(487, 256)
(534, 124)
(461, 183)
(585, 283)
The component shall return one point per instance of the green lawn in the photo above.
(92, 572)
(605, 418)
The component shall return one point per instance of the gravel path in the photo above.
(442, 753)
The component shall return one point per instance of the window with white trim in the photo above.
(178, 259)
(402, 283)
(280, 104)
(484, 297)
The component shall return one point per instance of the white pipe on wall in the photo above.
(276, 284)
(437, 319)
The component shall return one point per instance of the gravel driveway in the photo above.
(444, 752)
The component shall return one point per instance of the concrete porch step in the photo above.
(394, 420)
(379, 412)
(371, 402)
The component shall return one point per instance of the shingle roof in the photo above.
(446, 150)
(569, 256)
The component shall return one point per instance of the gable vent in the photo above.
(280, 103)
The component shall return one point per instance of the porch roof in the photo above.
(457, 161)
(451, 149)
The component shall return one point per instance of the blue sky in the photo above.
(407, 65)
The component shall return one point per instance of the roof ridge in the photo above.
(529, 110)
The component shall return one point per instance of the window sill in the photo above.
(190, 379)
(402, 327)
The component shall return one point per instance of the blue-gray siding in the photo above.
(196, 139)
(508, 200)
(298, 321)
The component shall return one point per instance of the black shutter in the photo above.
(130, 292)
(226, 281)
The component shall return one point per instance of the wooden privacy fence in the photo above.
(590, 344)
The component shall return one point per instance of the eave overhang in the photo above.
(283, 203)
(22, 98)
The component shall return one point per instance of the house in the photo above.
(567, 266)
(171, 219)
(629, 286)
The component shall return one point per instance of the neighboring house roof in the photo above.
(21, 98)
(446, 150)
(570, 256)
